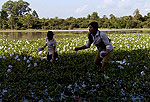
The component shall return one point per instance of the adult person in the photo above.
(103, 44)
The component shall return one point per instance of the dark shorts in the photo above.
(49, 57)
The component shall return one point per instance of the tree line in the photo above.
(18, 15)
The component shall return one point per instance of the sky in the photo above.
(81, 8)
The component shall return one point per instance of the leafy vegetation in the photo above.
(25, 75)
(18, 15)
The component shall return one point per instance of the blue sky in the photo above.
(81, 8)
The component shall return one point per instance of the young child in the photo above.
(51, 43)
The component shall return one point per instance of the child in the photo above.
(51, 43)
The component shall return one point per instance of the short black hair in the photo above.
(49, 34)
(94, 25)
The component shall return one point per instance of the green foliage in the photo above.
(18, 8)
(14, 13)
(25, 74)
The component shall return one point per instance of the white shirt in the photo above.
(100, 36)
(51, 44)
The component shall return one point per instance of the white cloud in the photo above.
(146, 7)
(81, 9)
(122, 7)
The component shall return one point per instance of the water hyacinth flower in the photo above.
(16, 57)
(29, 66)
(1, 47)
(145, 67)
(4, 90)
(106, 77)
(11, 55)
(120, 62)
(44, 51)
(8, 70)
(4, 57)
(69, 86)
(30, 58)
(35, 64)
(121, 67)
(28, 61)
(142, 73)
(40, 52)
(25, 58)
(51, 60)
(10, 66)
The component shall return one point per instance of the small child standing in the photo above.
(51, 43)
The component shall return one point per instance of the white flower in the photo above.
(9, 70)
(40, 52)
(145, 67)
(35, 64)
(142, 73)
(28, 61)
(51, 60)
(4, 57)
(30, 58)
(106, 77)
(25, 58)
(4, 90)
(28, 65)
(44, 52)
(18, 59)
(121, 67)
(11, 55)
(0, 56)
(124, 60)
(113, 42)
(10, 66)
(1, 47)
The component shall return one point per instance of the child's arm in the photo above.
(53, 53)
(44, 45)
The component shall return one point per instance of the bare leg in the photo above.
(104, 65)
(98, 60)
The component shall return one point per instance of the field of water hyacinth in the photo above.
(25, 74)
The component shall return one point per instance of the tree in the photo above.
(3, 19)
(34, 13)
(12, 21)
(89, 16)
(28, 21)
(20, 8)
(94, 16)
(137, 15)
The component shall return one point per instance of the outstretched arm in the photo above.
(80, 48)
(44, 45)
